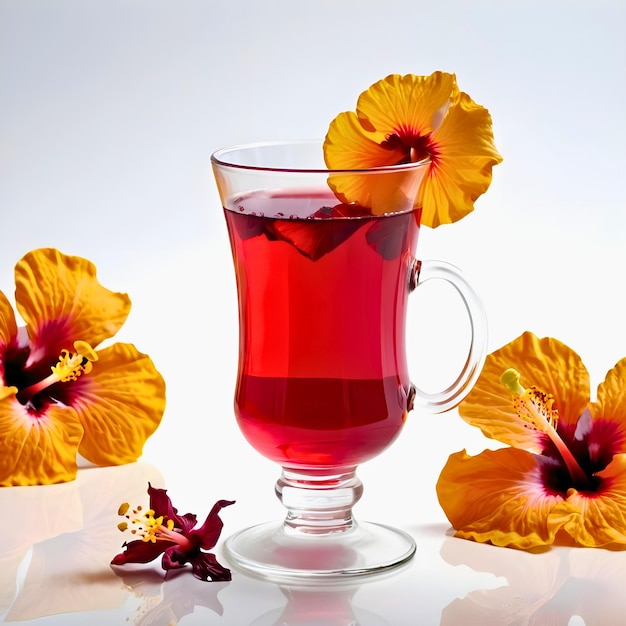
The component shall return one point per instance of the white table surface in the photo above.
(109, 110)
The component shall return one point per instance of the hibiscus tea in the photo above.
(323, 379)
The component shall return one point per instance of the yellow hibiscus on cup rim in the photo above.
(563, 477)
(59, 394)
(414, 119)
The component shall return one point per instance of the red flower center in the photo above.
(37, 381)
(593, 451)
(415, 147)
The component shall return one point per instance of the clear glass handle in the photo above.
(421, 272)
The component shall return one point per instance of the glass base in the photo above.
(276, 552)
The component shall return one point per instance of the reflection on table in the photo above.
(61, 541)
(549, 587)
(57, 543)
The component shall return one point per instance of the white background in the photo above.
(110, 109)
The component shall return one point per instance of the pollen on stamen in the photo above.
(533, 406)
(546, 403)
(71, 365)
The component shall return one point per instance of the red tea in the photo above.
(323, 378)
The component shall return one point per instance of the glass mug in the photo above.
(323, 383)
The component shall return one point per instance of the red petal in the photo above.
(387, 236)
(141, 552)
(316, 237)
(206, 566)
(209, 532)
(161, 504)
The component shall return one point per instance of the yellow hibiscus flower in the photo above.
(412, 119)
(564, 475)
(59, 395)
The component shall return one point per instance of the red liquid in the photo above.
(323, 378)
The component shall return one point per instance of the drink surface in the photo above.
(322, 376)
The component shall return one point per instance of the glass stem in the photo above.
(319, 502)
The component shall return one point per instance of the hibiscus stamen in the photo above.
(69, 367)
(535, 407)
(145, 526)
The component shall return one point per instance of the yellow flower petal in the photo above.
(348, 146)
(36, 450)
(602, 518)
(497, 497)
(385, 191)
(611, 400)
(546, 363)
(406, 103)
(462, 170)
(120, 403)
(8, 325)
(60, 296)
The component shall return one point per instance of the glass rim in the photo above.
(217, 158)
